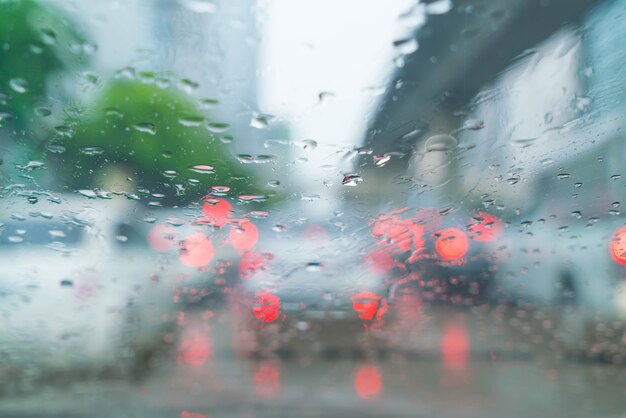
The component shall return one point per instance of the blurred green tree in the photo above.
(155, 135)
(36, 42)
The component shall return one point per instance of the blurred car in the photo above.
(78, 291)
(443, 253)
(315, 295)
(575, 274)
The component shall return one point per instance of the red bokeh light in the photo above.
(267, 380)
(251, 263)
(369, 305)
(455, 346)
(161, 237)
(451, 244)
(216, 211)
(244, 235)
(368, 382)
(194, 350)
(196, 250)
(379, 261)
(187, 414)
(485, 227)
(398, 235)
(617, 246)
(266, 306)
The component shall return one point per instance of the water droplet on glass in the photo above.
(441, 142)
(309, 197)
(191, 121)
(406, 46)
(145, 127)
(258, 159)
(200, 6)
(314, 266)
(616, 176)
(260, 121)
(562, 176)
(43, 111)
(439, 7)
(91, 194)
(32, 165)
(217, 127)
(523, 142)
(273, 183)
(351, 179)
(19, 85)
(208, 103)
(307, 144)
(381, 160)
(188, 85)
(170, 174)
(220, 190)
(473, 125)
(91, 150)
(48, 36)
(56, 148)
(325, 95)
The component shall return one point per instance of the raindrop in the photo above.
(314, 266)
(170, 174)
(91, 150)
(220, 190)
(406, 46)
(351, 179)
(189, 85)
(308, 144)
(88, 193)
(616, 176)
(32, 165)
(523, 142)
(381, 160)
(273, 183)
(258, 214)
(325, 95)
(191, 121)
(217, 127)
(19, 85)
(43, 111)
(145, 127)
(547, 118)
(577, 214)
(513, 180)
(439, 7)
(48, 36)
(309, 197)
(200, 6)
(473, 124)
(260, 121)
(64, 130)
(208, 103)
(441, 142)
(259, 159)
(562, 176)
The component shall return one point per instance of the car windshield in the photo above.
(298, 208)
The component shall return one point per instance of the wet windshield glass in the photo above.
(255, 208)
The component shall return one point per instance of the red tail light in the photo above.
(617, 246)
(451, 244)
(485, 227)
